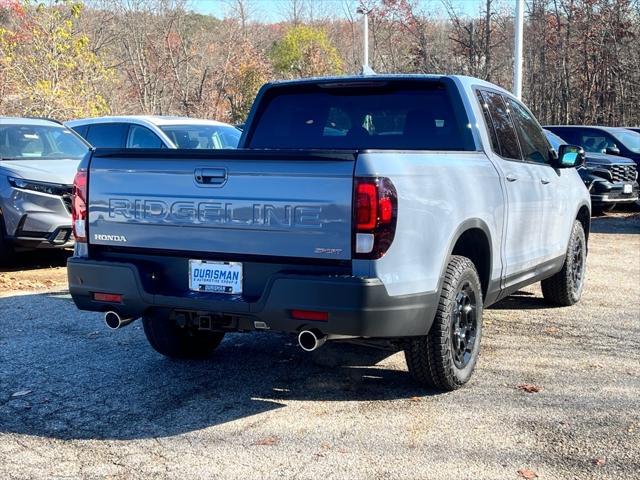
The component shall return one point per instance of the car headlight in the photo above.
(42, 187)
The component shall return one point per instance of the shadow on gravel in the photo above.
(36, 260)
(64, 376)
(617, 223)
(521, 300)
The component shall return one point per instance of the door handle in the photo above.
(545, 181)
(511, 178)
(211, 176)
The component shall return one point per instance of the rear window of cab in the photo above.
(395, 115)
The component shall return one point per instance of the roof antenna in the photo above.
(366, 69)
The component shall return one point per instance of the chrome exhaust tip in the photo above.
(114, 321)
(310, 340)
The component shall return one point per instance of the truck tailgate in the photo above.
(275, 203)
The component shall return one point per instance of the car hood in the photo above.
(596, 159)
(50, 171)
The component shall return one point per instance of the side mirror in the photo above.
(613, 150)
(570, 156)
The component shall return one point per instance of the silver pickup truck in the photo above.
(385, 210)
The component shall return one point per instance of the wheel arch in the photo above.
(584, 217)
(473, 240)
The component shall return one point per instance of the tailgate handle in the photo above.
(211, 176)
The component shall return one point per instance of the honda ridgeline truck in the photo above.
(381, 209)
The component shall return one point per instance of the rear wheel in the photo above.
(565, 287)
(446, 356)
(169, 338)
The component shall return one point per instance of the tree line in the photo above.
(69, 59)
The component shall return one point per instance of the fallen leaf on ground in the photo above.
(268, 441)
(551, 330)
(529, 388)
(599, 461)
(415, 399)
(527, 473)
(21, 393)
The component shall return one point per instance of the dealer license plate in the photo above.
(627, 188)
(215, 277)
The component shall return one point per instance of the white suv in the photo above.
(147, 131)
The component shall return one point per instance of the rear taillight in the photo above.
(79, 206)
(375, 210)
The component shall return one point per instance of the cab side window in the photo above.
(504, 130)
(533, 142)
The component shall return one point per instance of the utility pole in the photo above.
(517, 50)
(366, 69)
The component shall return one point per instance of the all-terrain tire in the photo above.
(434, 359)
(565, 287)
(175, 341)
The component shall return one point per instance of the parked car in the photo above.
(610, 179)
(147, 131)
(634, 129)
(38, 161)
(610, 140)
(360, 209)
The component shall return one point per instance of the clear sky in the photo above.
(276, 10)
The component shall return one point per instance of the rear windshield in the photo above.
(395, 115)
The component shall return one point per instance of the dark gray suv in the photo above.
(38, 160)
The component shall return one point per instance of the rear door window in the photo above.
(426, 115)
(533, 143)
(107, 135)
(81, 130)
(505, 131)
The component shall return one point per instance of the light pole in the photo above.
(366, 69)
(517, 50)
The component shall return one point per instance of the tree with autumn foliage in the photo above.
(246, 72)
(305, 51)
(46, 66)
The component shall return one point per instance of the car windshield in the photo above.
(629, 139)
(554, 140)
(23, 142)
(202, 136)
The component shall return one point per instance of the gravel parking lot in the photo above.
(556, 394)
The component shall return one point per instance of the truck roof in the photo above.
(460, 79)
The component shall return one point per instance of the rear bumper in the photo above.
(356, 306)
